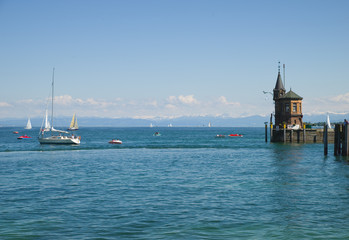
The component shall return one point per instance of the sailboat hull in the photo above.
(59, 140)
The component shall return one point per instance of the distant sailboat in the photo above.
(29, 124)
(209, 124)
(328, 122)
(74, 124)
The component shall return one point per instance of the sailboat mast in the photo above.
(53, 80)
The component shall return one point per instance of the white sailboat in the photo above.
(328, 122)
(49, 135)
(29, 124)
(74, 124)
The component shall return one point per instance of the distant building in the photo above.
(288, 106)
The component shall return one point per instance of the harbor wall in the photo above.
(301, 135)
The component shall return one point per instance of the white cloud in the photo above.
(224, 101)
(5, 104)
(343, 98)
(336, 104)
(188, 99)
(171, 106)
(172, 99)
(64, 100)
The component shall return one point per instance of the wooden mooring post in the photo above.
(345, 147)
(337, 140)
(266, 131)
(325, 140)
(284, 133)
(341, 144)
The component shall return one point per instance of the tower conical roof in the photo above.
(279, 85)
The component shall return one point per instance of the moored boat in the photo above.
(56, 136)
(220, 136)
(235, 135)
(23, 137)
(117, 141)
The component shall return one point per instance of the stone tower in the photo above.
(288, 106)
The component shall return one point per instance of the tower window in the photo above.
(294, 107)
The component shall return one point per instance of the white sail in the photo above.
(328, 122)
(47, 123)
(29, 124)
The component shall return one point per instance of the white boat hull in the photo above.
(59, 140)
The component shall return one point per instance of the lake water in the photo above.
(184, 184)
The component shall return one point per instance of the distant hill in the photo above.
(200, 121)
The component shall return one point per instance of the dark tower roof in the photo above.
(279, 85)
(292, 95)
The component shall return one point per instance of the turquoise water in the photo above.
(184, 184)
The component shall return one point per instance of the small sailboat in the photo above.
(56, 136)
(74, 124)
(328, 123)
(209, 124)
(29, 124)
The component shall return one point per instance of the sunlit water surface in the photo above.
(184, 184)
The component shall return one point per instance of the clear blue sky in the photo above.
(145, 58)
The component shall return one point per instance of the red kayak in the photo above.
(235, 135)
(115, 141)
(23, 137)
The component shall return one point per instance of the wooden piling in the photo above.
(266, 132)
(337, 140)
(325, 140)
(345, 147)
(298, 136)
(284, 133)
